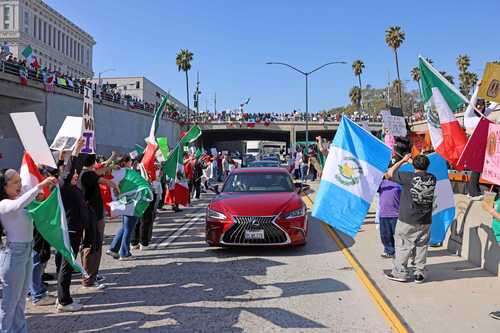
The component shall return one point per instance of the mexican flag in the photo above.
(27, 53)
(441, 99)
(135, 194)
(30, 175)
(49, 218)
(148, 161)
(156, 119)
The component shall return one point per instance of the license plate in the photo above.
(254, 234)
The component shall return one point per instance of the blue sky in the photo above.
(232, 41)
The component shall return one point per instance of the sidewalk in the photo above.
(456, 297)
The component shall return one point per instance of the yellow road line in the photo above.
(383, 306)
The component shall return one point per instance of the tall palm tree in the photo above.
(415, 74)
(394, 37)
(357, 67)
(355, 95)
(183, 62)
(463, 63)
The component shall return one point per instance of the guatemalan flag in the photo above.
(443, 211)
(353, 171)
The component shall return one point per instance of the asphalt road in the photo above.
(185, 286)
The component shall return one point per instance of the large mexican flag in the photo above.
(441, 99)
(49, 218)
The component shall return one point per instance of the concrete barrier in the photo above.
(471, 235)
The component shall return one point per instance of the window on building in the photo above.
(67, 45)
(26, 21)
(50, 35)
(39, 29)
(59, 40)
(45, 32)
(6, 17)
(137, 84)
(34, 25)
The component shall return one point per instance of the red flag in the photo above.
(473, 154)
(148, 160)
(182, 134)
(30, 175)
(178, 195)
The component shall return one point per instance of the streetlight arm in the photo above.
(330, 63)
(287, 65)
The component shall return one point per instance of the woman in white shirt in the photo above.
(15, 257)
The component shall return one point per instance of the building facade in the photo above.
(141, 89)
(57, 43)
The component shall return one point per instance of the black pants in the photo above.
(473, 185)
(197, 188)
(65, 271)
(144, 229)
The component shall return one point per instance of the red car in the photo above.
(257, 206)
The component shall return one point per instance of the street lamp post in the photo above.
(306, 75)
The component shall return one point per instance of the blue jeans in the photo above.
(303, 172)
(37, 288)
(15, 277)
(387, 229)
(121, 242)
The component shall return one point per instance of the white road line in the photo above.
(178, 232)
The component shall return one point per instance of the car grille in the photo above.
(272, 233)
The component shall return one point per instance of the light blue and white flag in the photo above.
(353, 171)
(443, 211)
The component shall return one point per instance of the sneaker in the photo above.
(48, 277)
(46, 300)
(100, 278)
(136, 247)
(419, 278)
(113, 254)
(387, 255)
(143, 247)
(436, 244)
(495, 315)
(395, 278)
(96, 285)
(128, 258)
(73, 307)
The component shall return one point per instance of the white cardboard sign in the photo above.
(31, 135)
(88, 132)
(395, 124)
(69, 133)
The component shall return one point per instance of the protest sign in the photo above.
(88, 132)
(490, 84)
(396, 125)
(491, 168)
(69, 133)
(32, 137)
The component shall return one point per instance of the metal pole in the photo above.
(307, 107)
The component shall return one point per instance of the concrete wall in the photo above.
(472, 237)
(117, 128)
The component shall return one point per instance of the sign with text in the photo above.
(69, 133)
(491, 168)
(88, 125)
(31, 134)
(394, 124)
(490, 84)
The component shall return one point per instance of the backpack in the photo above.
(422, 190)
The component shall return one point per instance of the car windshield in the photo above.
(259, 182)
(260, 164)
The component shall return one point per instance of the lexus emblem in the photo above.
(254, 223)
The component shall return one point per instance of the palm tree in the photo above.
(355, 95)
(183, 61)
(447, 77)
(415, 74)
(357, 67)
(463, 63)
(394, 37)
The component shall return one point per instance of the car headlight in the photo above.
(301, 212)
(213, 214)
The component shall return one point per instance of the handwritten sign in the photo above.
(88, 125)
(394, 124)
(490, 86)
(491, 168)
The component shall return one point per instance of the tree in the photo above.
(447, 77)
(394, 37)
(467, 79)
(355, 95)
(357, 67)
(415, 74)
(463, 63)
(183, 61)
